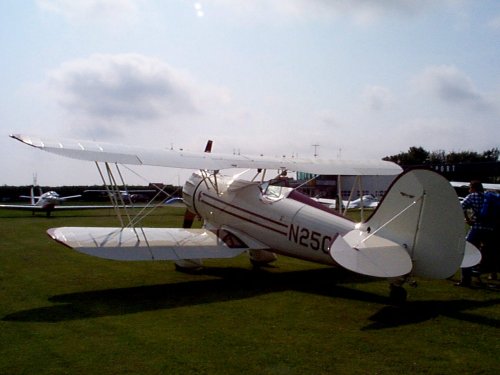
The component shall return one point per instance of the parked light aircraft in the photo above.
(417, 229)
(44, 202)
(52, 201)
(366, 201)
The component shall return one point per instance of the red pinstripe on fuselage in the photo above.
(286, 226)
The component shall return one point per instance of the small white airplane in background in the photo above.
(52, 201)
(366, 201)
(416, 230)
(44, 202)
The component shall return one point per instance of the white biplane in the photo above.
(416, 230)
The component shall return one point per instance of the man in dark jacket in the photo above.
(481, 232)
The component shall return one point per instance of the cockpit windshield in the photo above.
(275, 189)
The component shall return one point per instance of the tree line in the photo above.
(420, 156)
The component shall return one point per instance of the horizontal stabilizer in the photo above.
(144, 243)
(472, 256)
(370, 255)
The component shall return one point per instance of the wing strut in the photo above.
(112, 190)
(413, 203)
(358, 182)
(116, 198)
(128, 220)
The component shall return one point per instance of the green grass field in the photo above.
(62, 312)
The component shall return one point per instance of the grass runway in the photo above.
(62, 312)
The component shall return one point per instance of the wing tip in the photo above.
(24, 139)
(55, 234)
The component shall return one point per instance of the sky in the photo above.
(360, 79)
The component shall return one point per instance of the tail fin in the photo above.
(32, 195)
(32, 190)
(421, 212)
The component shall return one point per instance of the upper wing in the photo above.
(106, 152)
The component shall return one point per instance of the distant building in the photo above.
(482, 171)
(327, 186)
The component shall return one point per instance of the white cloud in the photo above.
(451, 85)
(361, 11)
(114, 12)
(131, 90)
(377, 98)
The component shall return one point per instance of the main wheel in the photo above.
(397, 294)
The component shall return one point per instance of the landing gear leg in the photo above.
(397, 293)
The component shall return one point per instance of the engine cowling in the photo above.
(189, 190)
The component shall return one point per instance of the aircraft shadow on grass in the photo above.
(420, 311)
(235, 284)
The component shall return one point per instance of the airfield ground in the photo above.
(62, 312)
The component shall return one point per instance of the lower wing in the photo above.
(146, 243)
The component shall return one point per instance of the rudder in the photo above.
(422, 213)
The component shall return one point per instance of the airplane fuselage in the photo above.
(48, 200)
(281, 219)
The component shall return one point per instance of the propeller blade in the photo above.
(208, 147)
